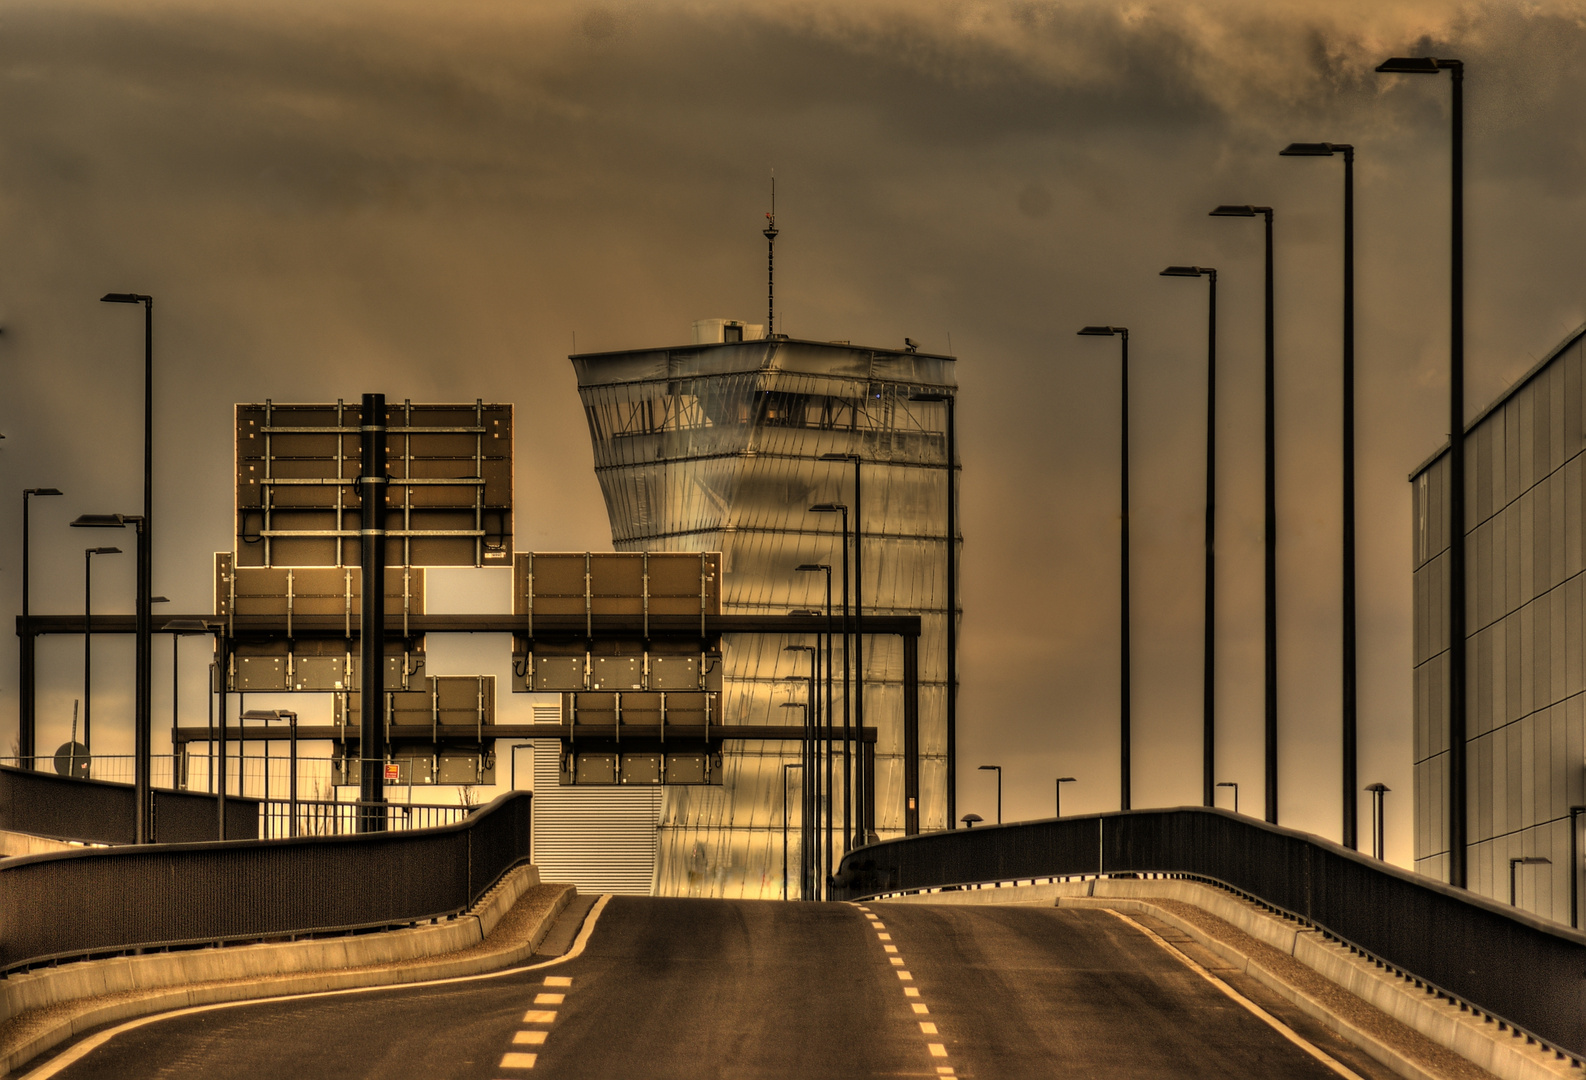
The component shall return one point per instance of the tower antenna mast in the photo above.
(770, 263)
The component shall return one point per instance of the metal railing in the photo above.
(326, 817)
(1526, 970)
(101, 812)
(104, 901)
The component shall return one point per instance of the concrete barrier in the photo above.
(97, 992)
(1483, 1041)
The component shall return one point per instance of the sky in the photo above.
(440, 202)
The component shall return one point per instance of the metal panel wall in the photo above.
(1527, 648)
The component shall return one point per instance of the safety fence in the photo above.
(323, 817)
(105, 901)
(1505, 962)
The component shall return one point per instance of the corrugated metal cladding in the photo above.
(1525, 501)
(717, 448)
(601, 839)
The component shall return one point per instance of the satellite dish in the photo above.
(72, 760)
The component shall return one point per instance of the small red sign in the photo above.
(393, 772)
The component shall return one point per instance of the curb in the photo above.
(91, 999)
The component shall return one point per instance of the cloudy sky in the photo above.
(436, 200)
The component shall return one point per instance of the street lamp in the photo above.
(141, 717)
(812, 723)
(264, 716)
(951, 401)
(998, 770)
(1528, 860)
(811, 568)
(804, 798)
(1350, 691)
(1574, 866)
(1270, 499)
(1124, 770)
(1061, 780)
(970, 819)
(1235, 785)
(849, 771)
(178, 629)
(786, 767)
(88, 640)
(1209, 660)
(27, 748)
(1379, 848)
(1427, 65)
(866, 826)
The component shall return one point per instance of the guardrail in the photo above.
(103, 901)
(326, 817)
(100, 812)
(1506, 962)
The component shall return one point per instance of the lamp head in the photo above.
(811, 568)
(125, 298)
(1233, 211)
(1066, 780)
(1313, 149)
(187, 626)
(1103, 331)
(840, 457)
(829, 508)
(1187, 271)
(100, 521)
(988, 768)
(1378, 787)
(804, 611)
(102, 551)
(1411, 65)
(930, 397)
(41, 491)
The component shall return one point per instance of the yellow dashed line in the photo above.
(919, 1007)
(896, 961)
(889, 948)
(540, 1016)
(558, 980)
(533, 1038)
(518, 1061)
(911, 991)
(936, 1049)
(549, 999)
(928, 1028)
(905, 976)
(884, 937)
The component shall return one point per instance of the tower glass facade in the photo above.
(718, 447)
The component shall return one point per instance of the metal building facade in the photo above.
(717, 447)
(1526, 595)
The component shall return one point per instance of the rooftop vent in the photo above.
(726, 331)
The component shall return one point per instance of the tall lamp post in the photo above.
(88, 640)
(1574, 866)
(950, 401)
(178, 629)
(142, 717)
(264, 716)
(1350, 691)
(1428, 65)
(1209, 661)
(812, 724)
(849, 771)
(787, 767)
(811, 568)
(1527, 860)
(864, 796)
(804, 798)
(27, 743)
(1061, 780)
(1270, 527)
(1379, 849)
(1124, 770)
(998, 770)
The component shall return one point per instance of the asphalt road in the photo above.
(738, 989)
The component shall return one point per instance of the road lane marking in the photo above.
(911, 991)
(889, 948)
(1256, 1010)
(549, 999)
(896, 961)
(558, 980)
(517, 1061)
(936, 1049)
(883, 937)
(905, 976)
(540, 1016)
(529, 1038)
(54, 1066)
(928, 1028)
(878, 925)
(919, 1007)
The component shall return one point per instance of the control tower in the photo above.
(724, 445)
